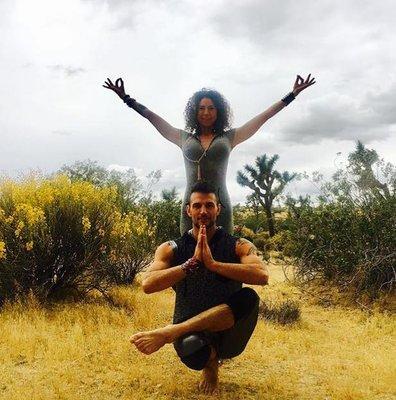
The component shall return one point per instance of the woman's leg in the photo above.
(225, 219)
(185, 220)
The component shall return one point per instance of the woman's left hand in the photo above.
(300, 84)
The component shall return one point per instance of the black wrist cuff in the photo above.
(132, 103)
(289, 98)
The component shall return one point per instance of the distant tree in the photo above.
(87, 171)
(260, 179)
(296, 206)
(147, 193)
(127, 183)
(361, 162)
(253, 203)
(169, 194)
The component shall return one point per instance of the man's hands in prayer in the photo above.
(202, 250)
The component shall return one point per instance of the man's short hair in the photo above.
(204, 187)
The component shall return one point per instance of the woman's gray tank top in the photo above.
(211, 166)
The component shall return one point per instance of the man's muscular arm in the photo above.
(251, 270)
(160, 275)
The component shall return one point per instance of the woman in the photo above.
(208, 140)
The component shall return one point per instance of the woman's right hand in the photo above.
(118, 87)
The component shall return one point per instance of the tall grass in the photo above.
(81, 351)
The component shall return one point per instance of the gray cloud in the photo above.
(383, 105)
(255, 20)
(250, 51)
(347, 47)
(66, 69)
(259, 21)
(125, 14)
(341, 117)
(172, 178)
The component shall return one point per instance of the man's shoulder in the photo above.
(165, 247)
(174, 244)
(244, 247)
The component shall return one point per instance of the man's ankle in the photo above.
(213, 354)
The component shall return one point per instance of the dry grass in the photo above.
(81, 351)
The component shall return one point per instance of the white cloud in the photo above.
(66, 69)
(118, 168)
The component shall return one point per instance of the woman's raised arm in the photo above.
(164, 128)
(251, 127)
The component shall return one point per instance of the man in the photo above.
(214, 316)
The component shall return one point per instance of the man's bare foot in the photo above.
(150, 341)
(210, 376)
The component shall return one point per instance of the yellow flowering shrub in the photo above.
(2, 250)
(86, 224)
(60, 233)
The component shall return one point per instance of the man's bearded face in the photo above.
(203, 209)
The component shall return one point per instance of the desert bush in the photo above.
(247, 233)
(261, 241)
(129, 187)
(164, 217)
(348, 236)
(347, 244)
(285, 312)
(57, 235)
(251, 217)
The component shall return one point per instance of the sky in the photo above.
(56, 54)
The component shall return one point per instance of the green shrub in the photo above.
(348, 237)
(261, 241)
(348, 244)
(164, 217)
(57, 235)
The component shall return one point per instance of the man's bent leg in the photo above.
(194, 348)
(215, 319)
(245, 305)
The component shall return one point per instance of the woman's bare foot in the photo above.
(150, 341)
(210, 376)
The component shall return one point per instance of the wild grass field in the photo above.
(80, 350)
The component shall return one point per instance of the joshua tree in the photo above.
(261, 179)
(169, 194)
(361, 161)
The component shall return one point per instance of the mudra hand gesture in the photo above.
(300, 84)
(202, 249)
(118, 87)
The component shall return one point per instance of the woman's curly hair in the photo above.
(224, 113)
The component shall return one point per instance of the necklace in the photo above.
(198, 161)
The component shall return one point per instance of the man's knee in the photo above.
(243, 303)
(194, 350)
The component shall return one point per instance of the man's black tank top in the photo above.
(203, 289)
